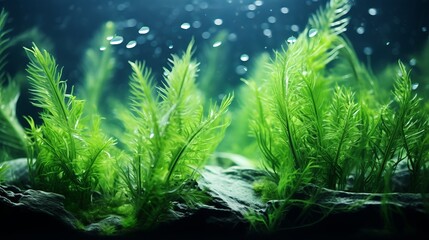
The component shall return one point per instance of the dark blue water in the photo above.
(382, 31)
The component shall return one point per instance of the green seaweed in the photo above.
(12, 136)
(170, 137)
(98, 69)
(67, 155)
(312, 127)
(238, 141)
(167, 139)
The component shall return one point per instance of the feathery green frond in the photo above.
(65, 154)
(12, 135)
(98, 66)
(403, 129)
(171, 138)
(4, 43)
(341, 124)
(326, 122)
(298, 86)
(238, 138)
(332, 18)
(290, 107)
(49, 91)
(213, 69)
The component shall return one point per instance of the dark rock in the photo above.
(31, 213)
(232, 188)
(113, 222)
(339, 215)
(335, 214)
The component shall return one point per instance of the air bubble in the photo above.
(218, 21)
(312, 32)
(189, 7)
(144, 30)
(205, 35)
(272, 19)
(185, 26)
(413, 62)
(217, 44)
(150, 37)
(131, 44)
(244, 57)
(196, 24)
(291, 40)
(116, 40)
(360, 30)
(268, 33)
(367, 51)
(102, 48)
(131, 22)
(372, 11)
(284, 10)
(251, 7)
(414, 86)
(232, 37)
(241, 70)
(250, 15)
(259, 3)
(204, 5)
(294, 28)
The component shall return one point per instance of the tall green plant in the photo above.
(312, 127)
(12, 136)
(98, 68)
(403, 133)
(291, 104)
(238, 140)
(66, 155)
(170, 137)
(291, 108)
(4, 42)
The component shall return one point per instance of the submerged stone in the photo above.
(333, 214)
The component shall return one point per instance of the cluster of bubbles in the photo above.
(250, 11)
(257, 12)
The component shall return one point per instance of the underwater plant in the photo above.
(170, 135)
(98, 68)
(167, 139)
(12, 136)
(313, 127)
(66, 155)
(212, 68)
(238, 144)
